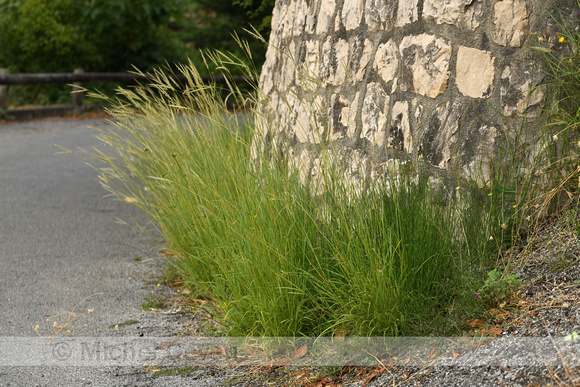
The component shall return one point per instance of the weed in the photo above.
(153, 302)
(498, 287)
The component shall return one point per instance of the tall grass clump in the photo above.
(559, 55)
(397, 255)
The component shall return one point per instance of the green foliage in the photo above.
(259, 12)
(112, 35)
(39, 36)
(498, 287)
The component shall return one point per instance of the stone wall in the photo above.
(444, 80)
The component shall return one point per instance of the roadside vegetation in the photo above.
(404, 255)
(44, 36)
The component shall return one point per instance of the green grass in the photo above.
(399, 257)
(153, 302)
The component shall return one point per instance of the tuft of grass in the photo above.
(396, 255)
(153, 302)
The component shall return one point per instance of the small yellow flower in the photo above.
(555, 137)
(561, 40)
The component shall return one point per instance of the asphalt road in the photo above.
(61, 242)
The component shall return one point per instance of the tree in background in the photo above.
(97, 35)
(116, 35)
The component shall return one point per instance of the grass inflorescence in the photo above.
(403, 256)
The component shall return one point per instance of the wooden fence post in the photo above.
(77, 95)
(4, 101)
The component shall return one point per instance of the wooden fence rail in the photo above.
(79, 76)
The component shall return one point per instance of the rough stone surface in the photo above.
(430, 78)
(342, 116)
(360, 55)
(511, 22)
(400, 137)
(379, 15)
(334, 61)
(352, 11)
(475, 72)
(407, 13)
(425, 64)
(478, 149)
(441, 134)
(386, 61)
(520, 92)
(374, 114)
(464, 13)
(325, 16)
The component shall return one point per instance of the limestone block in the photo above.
(267, 75)
(325, 16)
(287, 71)
(312, 58)
(400, 137)
(374, 114)
(441, 134)
(305, 17)
(425, 64)
(477, 151)
(462, 13)
(475, 72)
(308, 126)
(407, 12)
(356, 173)
(339, 107)
(334, 61)
(343, 116)
(360, 55)
(352, 12)
(349, 116)
(519, 90)
(417, 116)
(386, 61)
(511, 22)
(285, 19)
(379, 15)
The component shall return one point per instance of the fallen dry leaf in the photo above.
(300, 352)
(474, 324)
(455, 355)
(432, 355)
(301, 374)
